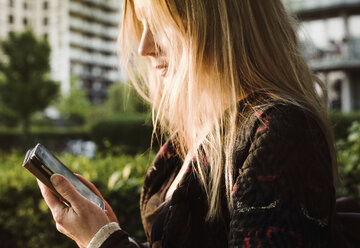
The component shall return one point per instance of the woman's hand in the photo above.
(83, 219)
(108, 210)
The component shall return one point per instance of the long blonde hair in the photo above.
(225, 50)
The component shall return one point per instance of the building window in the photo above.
(45, 5)
(336, 101)
(25, 21)
(11, 19)
(25, 5)
(46, 36)
(45, 21)
(11, 3)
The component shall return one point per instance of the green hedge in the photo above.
(25, 220)
(51, 137)
(349, 162)
(132, 133)
(341, 122)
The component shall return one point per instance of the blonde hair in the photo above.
(225, 50)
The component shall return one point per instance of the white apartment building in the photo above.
(82, 35)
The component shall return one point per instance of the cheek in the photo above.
(169, 41)
(163, 46)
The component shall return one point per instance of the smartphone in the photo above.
(43, 164)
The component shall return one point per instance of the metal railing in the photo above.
(112, 75)
(97, 14)
(94, 28)
(93, 43)
(94, 58)
(344, 55)
(111, 4)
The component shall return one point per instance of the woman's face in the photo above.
(153, 52)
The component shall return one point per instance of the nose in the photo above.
(147, 44)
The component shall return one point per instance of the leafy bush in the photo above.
(122, 98)
(7, 117)
(349, 162)
(341, 123)
(131, 132)
(53, 138)
(25, 220)
(74, 106)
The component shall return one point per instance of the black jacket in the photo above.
(283, 194)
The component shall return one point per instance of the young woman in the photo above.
(249, 160)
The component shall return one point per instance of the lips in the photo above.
(162, 69)
(159, 67)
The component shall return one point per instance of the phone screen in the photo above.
(56, 167)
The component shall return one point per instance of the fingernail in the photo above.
(55, 179)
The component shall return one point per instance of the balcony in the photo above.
(114, 5)
(110, 76)
(94, 44)
(93, 28)
(94, 59)
(316, 9)
(99, 15)
(344, 56)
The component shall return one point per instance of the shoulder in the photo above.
(282, 137)
(283, 183)
(279, 116)
(278, 123)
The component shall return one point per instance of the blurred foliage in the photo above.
(341, 123)
(349, 162)
(55, 138)
(122, 102)
(74, 105)
(8, 118)
(25, 220)
(41, 120)
(25, 86)
(132, 133)
(122, 98)
(124, 121)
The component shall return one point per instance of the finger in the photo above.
(90, 185)
(67, 191)
(109, 212)
(50, 198)
(56, 206)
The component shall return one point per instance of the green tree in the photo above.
(122, 98)
(25, 86)
(74, 106)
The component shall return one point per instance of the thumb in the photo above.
(66, 190)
